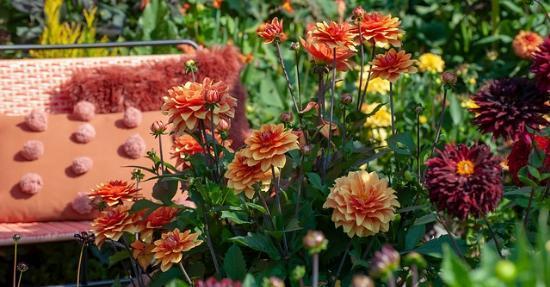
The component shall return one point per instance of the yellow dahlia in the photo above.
(114, 192)
(113, 222)
(376, 85)
(380, 119)
(242, 177)
(169, 249)
(432, 63)
(268, 146)
(362, 203)
(392, 64)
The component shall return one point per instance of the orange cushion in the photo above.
(53, 202)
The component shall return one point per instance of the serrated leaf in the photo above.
(315, 180)
(234, 263)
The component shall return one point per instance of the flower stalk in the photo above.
(16, 238)
(369, 75)
(440, 121)
(494, 237)
(392, 112)
(187, 278)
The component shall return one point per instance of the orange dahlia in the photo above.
(322, 53)
(183, 147)
(114, 192)
(142, 252)
(157, 219)
(362, 203)
(272, 31)
(187, 105)
(169, 249)
(391, 64)
(376, 27)
(333, 35)
(526, 43)
(113, 222)
(242, 177)
(268, 146)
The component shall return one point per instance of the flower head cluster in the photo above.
(362, 203)
(157, 219)
(464, 180)
(526, 43)
(541, 66)
(114, 192)
(169, 249)
(392, 64)
(113, 222)
(272, 31)
(431, 63)
(142, 252)
(507, 107)
(194, 102)
(376, 27)
(330, 44)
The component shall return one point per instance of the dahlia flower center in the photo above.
(266, 136)
(465, 167)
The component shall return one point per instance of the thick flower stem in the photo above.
(493, 235)
(279, 208)
(211, 245)
(187, 278)
(15, 262)
(440, 122)
(315, 276)
(392, 112)
(79, 265)
(360, 102)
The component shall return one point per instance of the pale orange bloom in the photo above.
(183, 147)
(287, 6)
(392, 64)
(142, 252)
(272, 31)
(526, 43)
(380, 28)
(169, 249)
(242, 177)
(322, 53)
(333, 35)
(362, 204)
(157, 219)
(268, 146)
(113, 222)
(114, 192)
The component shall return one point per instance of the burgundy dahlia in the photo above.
(519, 156)
(212, 282)
(506, 107)
(541, 66)
(464, 181)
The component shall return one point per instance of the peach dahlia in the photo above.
(169, 249)
(114, 192)
(183, 147)
(379, 28)
(362, 203)
(242, 177)
(526, 43)
(268, 146)
(392, 64)
(113, 222)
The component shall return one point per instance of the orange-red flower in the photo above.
(142, 252)
(268, 146)
(272, 31)
(380, 28)
(113, 222)
(183, 147)
(242, 177)
(287, 6)
(114, 192)
(187, 105)
(157, 219)
(333, 35)
(324, 54)
(217, 4)
(526, 43)
(391, 64)
(362, 203)
(169, 249)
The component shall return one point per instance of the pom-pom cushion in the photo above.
(60, 185)
(84, 133)
(84, 111)
(32, 150)
(37, 121)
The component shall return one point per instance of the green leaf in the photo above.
(258, 242)
(177, 283)
(455, 110)
(249, 281)
(315, 180)
(165, 189)
(434, 247)
(431, 217)
(293, 225)
(144, 204)
(117, 257)
(234, 217)
(401, 144)
(454, 272)
(234, 263)
(414, 235)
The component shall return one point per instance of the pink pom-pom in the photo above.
(82, 203)
(32, 150)
(82, 165)
(37, 120)
(134, 147)
(31, 183)
(84, 111)
(84, 134)
(132, 117)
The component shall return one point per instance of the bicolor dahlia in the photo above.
(183, 147)
(526, 43)
(507, 107)
(169, 249)
(519, 156)
(324, 54)
(187, 105)
(268, 146)
(112, 222)
(541, 66)
(432, 63)
(392, 64)
(272, 31)
(333, 35)
(362, 203)
(114, 192)
(142, 252)
(464, 181)
(242, 177)
(376, 27)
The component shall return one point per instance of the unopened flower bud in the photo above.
(448, 78)
(212, 97)
(223, 125)
(315, 241)
(22, 267)
(273, 282)
(384, 262)
(295, 46)
(158, 128)
(358, 13)
(360, 280)
(306, 149)
(506, 271)
(414, 258)
(286, 117)
(298, 273)
(191, 66)
(346, 99)
(16, 237)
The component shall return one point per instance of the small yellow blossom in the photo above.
(469, 104)
(376, 85)
(432, 63)
(382, 118)
(423, 119)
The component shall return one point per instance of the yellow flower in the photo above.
(378, 134)
(469, 104)
(382, 118)
(432, 63)
(376, 85)
(423, 119)
(362, 203)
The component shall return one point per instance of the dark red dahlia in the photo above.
(519, 156)
(506, 107)
(464, 181)
(212, 282)
(541, 66)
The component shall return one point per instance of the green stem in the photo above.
(315, 276)
(279, 208)
(493, 235)
(360, 103)
(392, 112)
(440, 121)
(187, 278)
(79, 264)
(15, 263)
